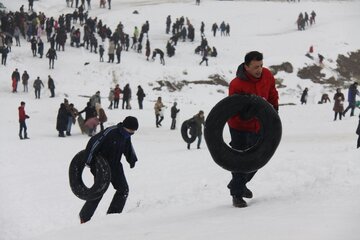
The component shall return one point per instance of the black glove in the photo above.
(27, 116)
(132, 165)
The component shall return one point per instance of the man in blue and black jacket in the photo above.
(111, 144)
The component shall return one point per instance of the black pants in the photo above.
(22, 128)
(173, 123)
(52, 91)
(159, 119)
(117, 204)
(352, 107)
(340, 115)
(140, 103)
(241, 140)
(37, 93)
(116, 103)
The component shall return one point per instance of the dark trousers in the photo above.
(52, 91)
(37, 93)
(340, 115)
(199, 137)
(116, 103)
(173, 123)
(117, 204)
(352, 107)
(140, 103)
(126, 104)
(159, 119)
(22, 128)
(241, 140)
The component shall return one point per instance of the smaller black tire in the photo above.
(102, 177)
(188, 131)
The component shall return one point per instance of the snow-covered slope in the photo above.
(310, 189)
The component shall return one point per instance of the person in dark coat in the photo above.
(102, 118)
(140, 95)
(147, 49)
(338, 103)
(325, 98)
(89, 110)
(4, 53)
(31, 5)
(126, 97)
(15, 78)
(51, 86)
(41, 48)
(199, 121)
(353, 91)
(205, 55)
(101, 53)
(214, 28)
(161, 53)
(304, 96)
(62, 120)
(51, 54)
(174, 111)
(37, 86)
(111, 144)
(25, 80)
(118, 53)
(33, 46)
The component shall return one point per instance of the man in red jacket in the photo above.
(22, 118)
(251, 78)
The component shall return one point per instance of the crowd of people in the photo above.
(304, 20)
(251, 78)
(339, 99)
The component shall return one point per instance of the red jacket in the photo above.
(263, 87)
(117, 92)
(22, 115)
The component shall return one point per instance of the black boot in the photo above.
(239, 202)
(247, 193)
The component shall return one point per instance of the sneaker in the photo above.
(247, 193)
(20, 137)
(239, 202)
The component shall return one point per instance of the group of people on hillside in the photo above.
(94, 116)
(37, 85)
(304, 19)
(339, 100)
(114, 97)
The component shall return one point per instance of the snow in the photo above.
(308, 190)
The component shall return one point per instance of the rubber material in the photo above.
(247, 106)
(188, 131)
(101, 179)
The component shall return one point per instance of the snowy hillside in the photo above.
(309, 190)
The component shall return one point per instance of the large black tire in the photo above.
(248, 106)
(188, 131)
(101, 179)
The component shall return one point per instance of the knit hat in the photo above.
(131, 123)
